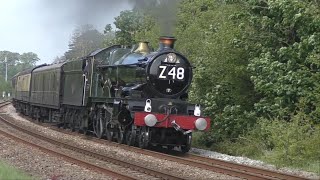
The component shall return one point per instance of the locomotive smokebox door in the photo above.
(169, 74)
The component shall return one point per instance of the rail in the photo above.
(96, 155)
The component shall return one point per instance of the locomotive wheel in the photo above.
(85, 131)
(170, 148)
(38, 115)
(143, 139)
(83, 120)
(98, 124)
(78, 118)
(98, 128)
(121, 136)
(109, 133)
(187, 147)
(73, 121)
(65, 119)
(130, 137)
(31, 113)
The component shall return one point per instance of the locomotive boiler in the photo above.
(136, 95)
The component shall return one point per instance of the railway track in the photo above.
(220, 166)
(4, 103)
(65, 156)
(102, 157)
(215, 165)
(248, 170)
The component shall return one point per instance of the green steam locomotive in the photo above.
(132, 95)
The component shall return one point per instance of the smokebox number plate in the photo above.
(167, 72)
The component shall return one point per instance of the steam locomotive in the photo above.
(130, 95)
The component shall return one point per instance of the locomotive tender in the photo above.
(132, 95)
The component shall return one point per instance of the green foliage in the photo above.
(7, 172)
(144, 28)
(16, 63)
(231, 123)
(146, 22)
(255, 60)
(109, 36)
(84, 40)
(210, 38)
(4, 86)
(198, 140)
(150, 31)
(295, 143)
(285, 67)
(28, 59)
(128, 24)
(132, 26)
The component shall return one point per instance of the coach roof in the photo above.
(49, 67)
(29, 70)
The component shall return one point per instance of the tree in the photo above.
(163, 13)
(84, 40)
(146, 22)
(128, 24)
(107, 29)
(109, 36)
(285, 67)
(16, 63)
(211, 38)
(29, 59)
(59, 59)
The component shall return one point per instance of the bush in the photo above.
(295, 143)
(231, 123)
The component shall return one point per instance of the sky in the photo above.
(45, 26)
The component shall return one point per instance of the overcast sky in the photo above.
(45, 26)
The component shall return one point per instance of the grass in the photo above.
(9, 173)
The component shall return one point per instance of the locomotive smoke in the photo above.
(102, 12)
(164, 11)
(81, 12)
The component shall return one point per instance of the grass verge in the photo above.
(9, 173)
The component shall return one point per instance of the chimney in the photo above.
(166, 42)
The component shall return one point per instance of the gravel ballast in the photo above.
(41, 165)
(155, 163)
(250, 162)
(169, 167)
